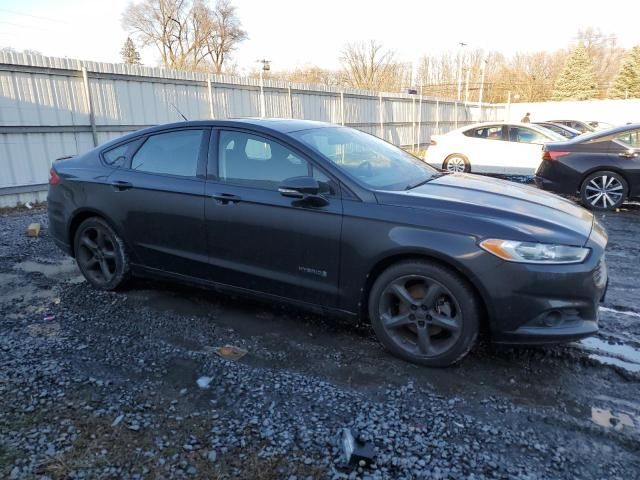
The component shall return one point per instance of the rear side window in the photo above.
(491, 132)
(117, 157)
(172, 153)
(630, 139)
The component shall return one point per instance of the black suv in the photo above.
(334, 219)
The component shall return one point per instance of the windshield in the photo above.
(368, 159)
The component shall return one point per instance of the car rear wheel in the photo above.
(424, 313)
(456, 163)
(603, 190)
(101, 254)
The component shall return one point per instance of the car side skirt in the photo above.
(143, 271)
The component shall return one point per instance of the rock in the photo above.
(212, 456)
(33, 230)
(203, 382)
(117, 421)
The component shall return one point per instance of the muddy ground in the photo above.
(104, 385)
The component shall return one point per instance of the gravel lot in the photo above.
(103, 385)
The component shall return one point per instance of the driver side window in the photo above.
(254, 161)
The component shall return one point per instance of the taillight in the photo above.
(54, 178)
(546, 155)
(433, 142)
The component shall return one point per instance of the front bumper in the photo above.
(536, 304)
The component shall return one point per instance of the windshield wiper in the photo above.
(422, 182)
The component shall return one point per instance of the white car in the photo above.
(492, 147)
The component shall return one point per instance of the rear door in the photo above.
(158, 197)
(260, 240)
(485, 148)
(626, 148)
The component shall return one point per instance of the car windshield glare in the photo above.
(368, 159)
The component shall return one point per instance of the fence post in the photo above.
(290, 97)
(381, 115)
(342, 108)
(210, 92)
(413, 123)
(437, 117)
(420, 119)
(92, 117)
(263, 105)
(455, 110)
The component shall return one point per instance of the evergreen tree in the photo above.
(130, 55)
(627, 82)
(577, 80)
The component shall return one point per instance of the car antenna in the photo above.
(185, 118)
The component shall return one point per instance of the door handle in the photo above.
(120, 185)
(226, 198)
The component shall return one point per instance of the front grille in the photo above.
(600, 273)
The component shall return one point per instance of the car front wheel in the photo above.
(603, 191)
(424, 313)
(101, 254)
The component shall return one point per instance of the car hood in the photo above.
(488, 207)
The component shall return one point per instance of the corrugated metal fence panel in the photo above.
(45, 114)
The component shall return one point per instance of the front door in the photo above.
(525, 150)
(260, 240)
(158, 196)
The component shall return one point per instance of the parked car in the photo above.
(582, 127)
(597, 125)
(338, 221)
(603, 167)
(563, 130)
(493, 147)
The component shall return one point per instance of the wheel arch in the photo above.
(80, 216)
(382, 264)
(461, 155)
(601, 168)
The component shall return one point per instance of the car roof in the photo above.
(283, 125)
(280, 125)
(497, 122)
(605, 133)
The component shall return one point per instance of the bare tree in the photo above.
(186, 33)
(225, 33)
(310, 74)
(369, 66)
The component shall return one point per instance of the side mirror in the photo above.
(305, 189)
(628, 154)
(299, 187)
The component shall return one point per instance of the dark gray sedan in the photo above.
(337, 220)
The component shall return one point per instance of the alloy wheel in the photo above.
(456, 165)
(420, 315)
(97, 254)
(604, 191)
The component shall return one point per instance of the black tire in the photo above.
(456, 163)
(603, 190)
(448, 298)
(101, 254)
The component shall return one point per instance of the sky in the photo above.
(295, 33)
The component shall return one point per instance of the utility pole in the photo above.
(266, 66)
(466, 86)
(483, 66)
(462, 45)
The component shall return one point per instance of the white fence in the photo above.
(616, 112)
(52, 107)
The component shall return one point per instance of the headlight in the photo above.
(525, 252)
